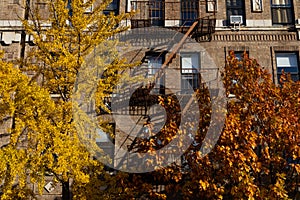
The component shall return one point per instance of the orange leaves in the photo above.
(262, 127)
(297, 167)
(203, 185)
(278, 190)
(257, 166)
(257, 153)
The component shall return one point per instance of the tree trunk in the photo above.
(66, 190)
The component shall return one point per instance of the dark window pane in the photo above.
(112, 7)
(234, 3)
(235, 7)
(282, 12)
(189, 11)
(189, 81)
(156, 12)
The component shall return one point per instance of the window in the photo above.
(131, 6)
(69, 7)
(150, 13)
(235, 80)
(189, 11)
(156, 12)
(282, 12)
(235, 7)
(112, 7)
(189, 71)
(154, 63)
(240, 54)
(287, 61)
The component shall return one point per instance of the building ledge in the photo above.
(246, 28)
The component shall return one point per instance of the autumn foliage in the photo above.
(41, 137)
(258, 153)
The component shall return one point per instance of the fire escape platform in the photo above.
(176, 15)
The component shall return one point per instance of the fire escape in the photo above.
(193, 18)
(176, 15)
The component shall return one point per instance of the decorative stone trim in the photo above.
(172, 23)
(285, 48)
(258, 23)
(10, 23)
(246, 37)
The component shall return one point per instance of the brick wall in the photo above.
(11, 9)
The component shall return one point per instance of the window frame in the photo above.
(157, 12)
(294, 74)
(151, 71)
(240, 9)
(290, 11)
(191, 75)
(112, 7)
(189, 11)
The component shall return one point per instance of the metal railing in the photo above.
(179, 15)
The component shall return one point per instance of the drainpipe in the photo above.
(23, 34)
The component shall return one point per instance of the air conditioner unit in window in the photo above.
(236, 19)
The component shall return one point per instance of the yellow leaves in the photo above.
(199, 154)
(297, 167)
(278, 189)
(41, 136)
(161, 100)
(203, 185)
(13, 162)
(229, 162)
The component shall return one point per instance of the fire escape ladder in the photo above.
(201, 29)
(142, 97)
(173, 52)
(185, 100)
(123, 158)
(159, 74)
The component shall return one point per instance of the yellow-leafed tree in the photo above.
(43, 137)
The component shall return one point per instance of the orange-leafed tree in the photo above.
(258, 153)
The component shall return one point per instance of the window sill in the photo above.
(253, 28)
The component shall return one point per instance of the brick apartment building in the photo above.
(268, 30)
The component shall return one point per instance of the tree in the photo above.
(43, 135)
(258, 153)
(35, 144)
